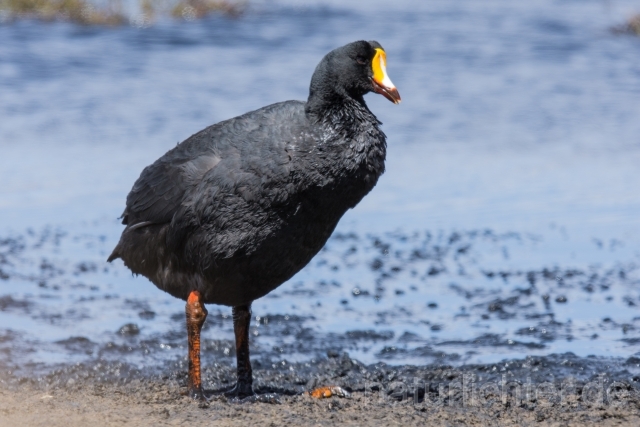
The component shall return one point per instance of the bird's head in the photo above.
(354, 70)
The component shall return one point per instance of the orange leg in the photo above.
(196, 314)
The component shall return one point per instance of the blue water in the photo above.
(518, 117)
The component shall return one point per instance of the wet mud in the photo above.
(554, 390)
(422, 297)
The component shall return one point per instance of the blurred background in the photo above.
(507, 223)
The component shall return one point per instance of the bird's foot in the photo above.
(324, 392)
(243, 393)
(197, 393)
(241, 390)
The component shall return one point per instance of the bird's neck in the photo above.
(343, 115)
(351, 144)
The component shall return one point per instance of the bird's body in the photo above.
(240, 207)
(237, 209)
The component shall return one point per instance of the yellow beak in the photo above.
(382, 84)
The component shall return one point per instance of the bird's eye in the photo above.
(361, 60)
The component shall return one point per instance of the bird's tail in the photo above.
(117, 250)
(115, 254)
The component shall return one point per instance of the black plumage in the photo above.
(241, 206)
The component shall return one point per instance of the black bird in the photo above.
(237, 209)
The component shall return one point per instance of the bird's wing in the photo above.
(238, 203)
(244, 158)
(163, 185)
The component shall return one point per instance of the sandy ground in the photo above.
(153, 403)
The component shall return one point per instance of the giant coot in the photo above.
(237, 209)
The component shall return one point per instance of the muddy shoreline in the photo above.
(551, 390)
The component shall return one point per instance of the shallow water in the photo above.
(506, 224)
